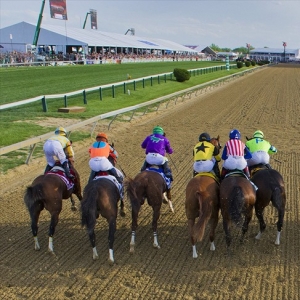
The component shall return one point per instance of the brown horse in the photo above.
(47, 191)
(270, 189)
(148, 185)
(237, 199)
(100, 196)
(202, 202)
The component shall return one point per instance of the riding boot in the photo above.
(217, 170)
(194, 173)
(48, 168)
(92, 176)
(113, 172)
(223, 173)
(67, 170)
(268, 166)
(144, 167)
(167, 171)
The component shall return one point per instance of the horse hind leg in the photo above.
(262, 225)
(156, 215)
(34, 215)
(53, 223)
(111, 239)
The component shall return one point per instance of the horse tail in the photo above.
(89, 212)
(236, 204)
(33, 194)
(130, 187)
(205, 210)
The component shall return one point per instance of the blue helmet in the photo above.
(234, 134)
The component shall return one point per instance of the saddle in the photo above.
(209, 174)
(256, 168)
(236, 172)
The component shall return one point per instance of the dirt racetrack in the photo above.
(268, 100)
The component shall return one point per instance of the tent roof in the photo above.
(23, 32)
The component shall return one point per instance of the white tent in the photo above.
(17, 36)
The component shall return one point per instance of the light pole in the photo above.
(284, 45)
(11, 38)
(248, 47)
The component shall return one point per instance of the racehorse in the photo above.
(148, 185)
(270, 189)
(47, 191)
(100, 196)
(202, 202)
(237, 199)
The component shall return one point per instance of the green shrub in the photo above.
(239, 64)
(253, 63)
(247, 63)
(181, 75)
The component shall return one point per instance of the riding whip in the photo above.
(173, 162)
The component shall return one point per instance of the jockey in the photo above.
(60, 146)
(102, 155)
(235, 154)
(206, 156)
(260, 149)
(157, 145)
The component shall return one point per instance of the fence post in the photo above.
(124, 87)
(134, 85)
(65, 100)
(84, 97)
(158, 79)
(100, 92)
(44, 104)
(165, 77)
(143, 82)
(151, 80)
(113, 91)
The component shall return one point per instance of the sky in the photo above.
(227, 24)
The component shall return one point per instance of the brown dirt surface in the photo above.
(267, 100)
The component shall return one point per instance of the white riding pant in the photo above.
(259, 157)
(203, 166)
(54, 148)
(155, 159)
(100, 163)
(235, 162)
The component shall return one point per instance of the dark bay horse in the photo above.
(202, 202)
(270, 189)
(100, 196)
(47, 191)
(148, 185)
(237, 199)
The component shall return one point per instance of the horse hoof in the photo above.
(131, 250)
(95, 257)
(111, 262)
(156, 246)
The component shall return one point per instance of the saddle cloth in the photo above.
(60, 172)
(114, 180)
(208, 174)
(161, 172)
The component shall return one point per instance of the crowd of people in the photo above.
(16, 57)
(236, 155)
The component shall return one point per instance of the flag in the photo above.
(58, 9)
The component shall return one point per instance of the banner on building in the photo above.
(93, 14)
(58, 9)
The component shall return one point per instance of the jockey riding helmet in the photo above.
(102, 135)
(60, 131)
(234, 134)
(204, 137)
(158, 130)
(258, 134)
